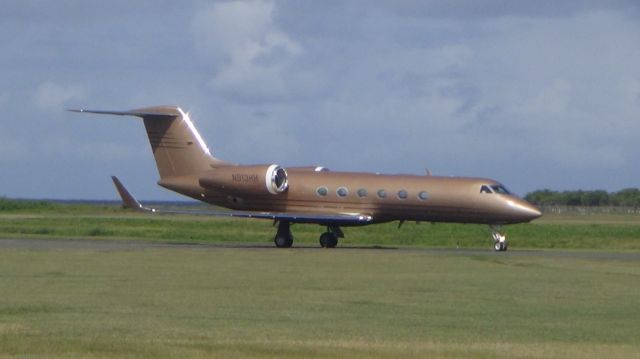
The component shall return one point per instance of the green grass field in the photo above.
(611, 232)
(315, 303)
(312, 303)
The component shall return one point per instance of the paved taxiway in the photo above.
(123, 245)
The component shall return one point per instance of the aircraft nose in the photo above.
(524, 210)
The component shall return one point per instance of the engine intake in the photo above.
(277, 179)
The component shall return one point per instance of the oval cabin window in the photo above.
(322, 191)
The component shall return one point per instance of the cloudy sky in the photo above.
(534, 94)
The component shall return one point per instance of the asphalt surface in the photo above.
(122, 245)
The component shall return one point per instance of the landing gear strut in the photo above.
(499, 239)
(283, 238)
(329, 239)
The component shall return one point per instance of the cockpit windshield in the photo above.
(496, 188)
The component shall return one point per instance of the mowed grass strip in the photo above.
(315, 303)
(610, 232)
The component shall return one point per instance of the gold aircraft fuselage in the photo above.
(383, 197)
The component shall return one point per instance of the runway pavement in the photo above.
(128, 245)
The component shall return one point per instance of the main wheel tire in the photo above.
(283, 241)
(499, 246)
(328, 240)
(334, 242)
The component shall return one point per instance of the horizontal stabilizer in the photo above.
(137, 113)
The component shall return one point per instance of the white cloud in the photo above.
(561, 89)
(250, 54)
(50, 96)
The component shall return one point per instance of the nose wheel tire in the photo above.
(328, 240)
(500, 246)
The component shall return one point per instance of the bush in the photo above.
(629, 197)
(7, 204)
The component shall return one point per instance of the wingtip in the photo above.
(128, 201)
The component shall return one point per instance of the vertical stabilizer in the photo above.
(176, 144)
(178, 148)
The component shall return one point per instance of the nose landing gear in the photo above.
(499, 239)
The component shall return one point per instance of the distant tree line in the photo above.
(629, 197)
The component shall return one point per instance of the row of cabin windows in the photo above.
(361, 193)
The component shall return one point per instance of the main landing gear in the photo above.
(499, 239)
(328, 239)
(283, 238)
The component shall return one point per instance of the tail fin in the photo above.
(176, 144)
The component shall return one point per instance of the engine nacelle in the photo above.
(242, 180)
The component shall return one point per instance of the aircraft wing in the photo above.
(128, 201)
